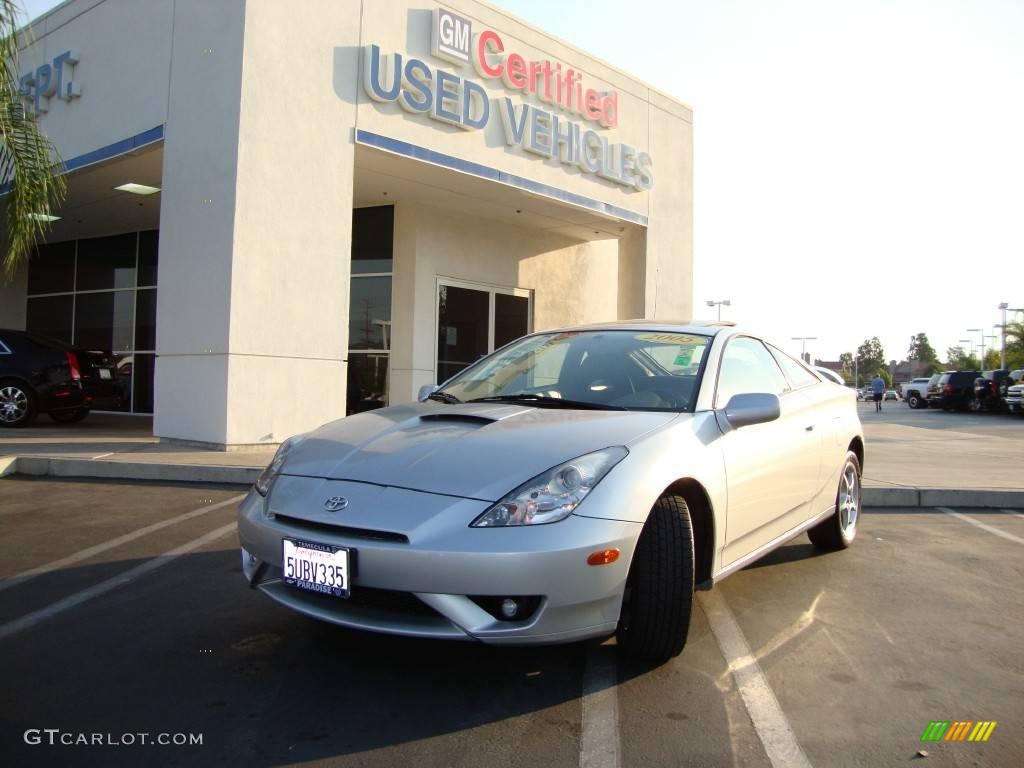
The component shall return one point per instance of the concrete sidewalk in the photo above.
(913, 458)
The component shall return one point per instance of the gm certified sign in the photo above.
(451, 37)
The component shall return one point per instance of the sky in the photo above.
(858, 164)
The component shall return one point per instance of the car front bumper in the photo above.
(422, 587)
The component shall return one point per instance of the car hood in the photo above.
(472, 450)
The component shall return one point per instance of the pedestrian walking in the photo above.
(878, 388)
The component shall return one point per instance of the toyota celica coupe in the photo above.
(574, 484)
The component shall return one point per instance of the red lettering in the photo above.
(488, 41)
(515, 71)
(593, 104)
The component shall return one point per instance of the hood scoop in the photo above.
(458, 418)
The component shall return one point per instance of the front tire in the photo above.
(659, 590)
(839, 529)
(914, 402)
(17, 404)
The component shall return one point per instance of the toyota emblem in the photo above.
(335, 503)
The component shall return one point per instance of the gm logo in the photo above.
(451, 37)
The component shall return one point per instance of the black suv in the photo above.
(989, 390)
(42, 375)
(954, 389)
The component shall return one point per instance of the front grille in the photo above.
(342, 530)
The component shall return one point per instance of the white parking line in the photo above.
(77, 598)
(85, 554)
(983, 526)
(1013, 512)
(599, 736)
(769, 720)
(102, 456)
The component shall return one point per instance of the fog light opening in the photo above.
(509, 608)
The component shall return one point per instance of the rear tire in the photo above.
(17, 404)
(69, 417)
(659, 590)
(839, 529)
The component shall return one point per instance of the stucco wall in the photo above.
(572, 281)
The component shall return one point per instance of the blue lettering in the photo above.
(515, 125)
(376, 71)
(446, 93)
(475, 95)
(416, 79)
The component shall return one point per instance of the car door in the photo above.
(771, 468)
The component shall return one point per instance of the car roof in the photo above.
(700, 327)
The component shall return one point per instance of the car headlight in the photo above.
(266, 478)
(553, 495)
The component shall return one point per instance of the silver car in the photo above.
(574, 484)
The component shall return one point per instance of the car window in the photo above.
(797, 374)
(747, 366)
(4, 349)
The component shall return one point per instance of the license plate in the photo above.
(104, 373)
(315, 567)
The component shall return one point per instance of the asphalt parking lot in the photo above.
(123, 611)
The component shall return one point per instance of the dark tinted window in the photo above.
(52, 268)
(369, 313)
(104, 320)
(372, 237)
(50, 316)
(148, 246)
(367, 382)
(511, 318)
(106, 262)
(145, 319)
(142, 383)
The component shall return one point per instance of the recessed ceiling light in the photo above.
(138, 189)
(42, 217)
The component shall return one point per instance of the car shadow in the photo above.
(189, 648)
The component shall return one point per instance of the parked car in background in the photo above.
(1014, 399)
(829, 374)
(574, 484)
(988, 391)
(915, 392)
(953, 391)
(43, 375)
(890, 394)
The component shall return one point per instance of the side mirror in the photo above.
(426, 391)
(748, 409)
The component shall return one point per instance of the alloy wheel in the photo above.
(13, 404)
(849, 499)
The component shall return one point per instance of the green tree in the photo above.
(957, 359)
(921, 349)
(29, 163)
(991, 361)
(871, 358)
(1015, 345)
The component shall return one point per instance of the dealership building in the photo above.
(279, 213)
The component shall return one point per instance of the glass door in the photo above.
(473, 320)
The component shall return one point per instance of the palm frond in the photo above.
(29, 163)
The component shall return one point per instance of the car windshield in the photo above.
(617, 369)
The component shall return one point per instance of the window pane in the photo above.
(52, 268)
(50, 316)
(106, 262)
(372, 237)
(104, 320)
(367, 382)
(148, 244)
(143, 367)
(145, 319)
(511, 318)
(796, 373)
(369, 313)
(748, 367)
(461, 329)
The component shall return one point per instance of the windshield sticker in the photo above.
(685, 355)
(671, 338)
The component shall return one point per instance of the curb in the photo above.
(42, 466)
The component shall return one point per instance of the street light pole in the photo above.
(1002, 349)
(982, 332)
(803, 344)
(720, 304)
